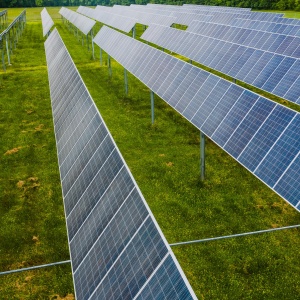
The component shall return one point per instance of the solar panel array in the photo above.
(117, 21)
(260, 134)
(210, 7)
(47, 21)
(142, 17)
(83, 23)
(182, 17)
(221, 13)
(117, 249)
(277, 74)
(3, 12)
(186, 16)
(267, 41)
(275, 27)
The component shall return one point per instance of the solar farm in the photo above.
(149, 152)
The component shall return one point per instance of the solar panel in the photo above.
(221, 12)
(275, 27)
(3, 12)
(142, 17)
(117, 21)
(230, 115)
(117, 249)
(83, 23)
(271, 72)
(47, 21)
(267, 41)
(193, 6)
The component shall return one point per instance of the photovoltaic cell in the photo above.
(47, 21)
(243, 123)
(116, 246)
(117, 21)
(83, 23)
(260, 68)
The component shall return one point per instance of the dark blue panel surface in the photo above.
(265, 137)
(248, 127)
(281, 154)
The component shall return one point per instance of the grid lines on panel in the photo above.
(111, 230)
(83, 23)
(47, 21)
(274, 73)
(229, 114)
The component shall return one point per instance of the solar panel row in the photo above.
(275, 27)
(267, 41)
(142, 17)
(217, 12)
(3, 12)
(262, 135)
(83, 23)
(47, 21)
(117, 249)
(184, 15)
(277, 74)
(192, 6)
(117, 21)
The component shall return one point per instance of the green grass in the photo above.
(164, 159)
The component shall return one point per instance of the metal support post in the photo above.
(93, 47)
(101, 57)
(126, 81)
(202, 156)
(7, 50)
(190, 61)
(133, 32)
(2, 54)
(109, 66)
(234, 80)
(152, 106)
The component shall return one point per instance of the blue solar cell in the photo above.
(293, 92)
(280, 155)
(79, 178)
(233, 59)
(278, 74)
(169, 94)
(289, 184)
(220, 111)
(243, 72)
(266, 72)
(163, 74)
(135, 265)
(214, 96)
(72, 159)
(170, 78)
(248, 127)
(256, 69)
(190, 93)
(109, 244)
(240, 63)
(265, 137)
(184, 86)
(159, 288)
(163, 65)
(200, 96)
(79, 202)
(235, 116)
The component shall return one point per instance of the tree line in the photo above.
(255, 4)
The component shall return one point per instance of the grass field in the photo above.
(164, 159)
